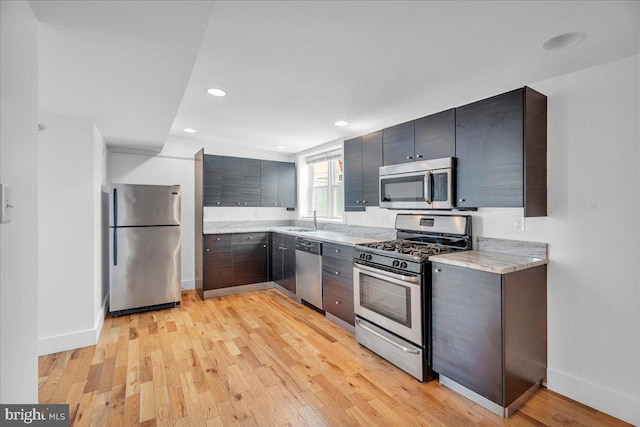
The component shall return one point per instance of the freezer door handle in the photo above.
(115, 246)
(115, 207)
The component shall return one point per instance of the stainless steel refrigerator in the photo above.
(144, 242)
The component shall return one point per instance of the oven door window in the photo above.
(388, 299)
(403, 189)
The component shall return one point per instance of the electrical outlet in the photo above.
(518, 224)
(7, 204)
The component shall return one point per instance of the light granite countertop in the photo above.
(492, 262)
(309, 233)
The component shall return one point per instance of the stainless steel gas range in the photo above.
(392, 288)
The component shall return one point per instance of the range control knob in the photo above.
(395, 263)
(403, 265)
(362, 256)
(368, 257)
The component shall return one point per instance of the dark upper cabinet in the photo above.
(235, 181)
(251, 183)
(212, 180)
(435, 136)
(371, 162)
(501, 145)
(287, 185)
(353, 174)
(268, 183)
(362, 159)
(398, 143)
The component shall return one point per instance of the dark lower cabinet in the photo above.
(250, 258)
(235, 259)
(490, 330)
(501, 145)
(283, 261)
(217, 261)
(337, 281)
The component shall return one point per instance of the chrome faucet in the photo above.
(315, 219)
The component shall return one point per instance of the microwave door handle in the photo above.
(427, 187)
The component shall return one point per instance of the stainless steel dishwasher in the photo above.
(309, 271)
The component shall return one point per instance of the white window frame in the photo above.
(335, 159)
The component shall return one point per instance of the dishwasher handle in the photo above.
(309, 246)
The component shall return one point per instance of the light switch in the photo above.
(7, 206)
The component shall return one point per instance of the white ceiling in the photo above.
(292, 68)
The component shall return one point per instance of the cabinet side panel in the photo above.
(198, 206)
(535, 145)
(525, 330)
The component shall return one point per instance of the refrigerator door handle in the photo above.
(115, 207)
(115, 246)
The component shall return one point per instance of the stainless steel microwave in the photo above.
(427, 184)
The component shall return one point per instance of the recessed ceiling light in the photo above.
(279, 147)
(216, 92)
(564, 41)
(341, 123)
(189, 130)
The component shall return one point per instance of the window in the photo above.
(325, 188)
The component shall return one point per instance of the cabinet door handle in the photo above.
(280, 204)
(245, 203)
(280, 248)
(337, 250)
(358, 201)
(264, 246)
(250, 237)
(338, 302)
(218, 239)
(217, 203)
(238, 203)
(206, 250)
(409, 158)
(337, 273)
(438, 270)
(418, 156)
(275, 204)
(461, 200)
(364, 201)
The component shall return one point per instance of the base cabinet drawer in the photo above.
(337, 281)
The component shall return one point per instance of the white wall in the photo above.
(18, 169)
(71, 290)
(174, 165)
(593, 197)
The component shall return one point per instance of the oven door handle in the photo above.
(385, 275)
(428, 197)
(382, 337)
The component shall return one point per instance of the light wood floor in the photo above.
(260, 359)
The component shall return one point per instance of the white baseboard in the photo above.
(611, 402)
(77, 339)
(188, 284)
